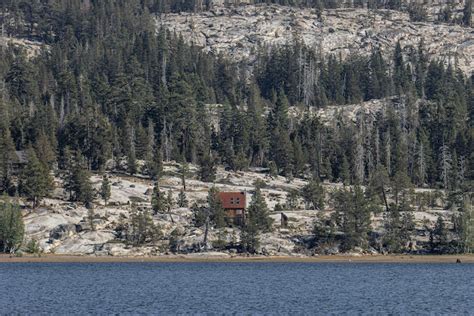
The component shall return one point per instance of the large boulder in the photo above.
(63, 231)
(84, 243)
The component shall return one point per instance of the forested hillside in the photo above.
(107, 87)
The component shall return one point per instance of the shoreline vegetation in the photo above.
(242, 259)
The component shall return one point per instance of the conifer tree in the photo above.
(155, 164)
(12, 228)
(44, 151)
(83, 189)
(216, 211)
(313, 194)
(169, 204)
(440, 235)
(258, 214)
(400, 74)
(7, 156)
(249, 238)
(142, 229)
(345, 172)
(35, 181)
(467, 224)
(105, 189)
(158, 200)
(355, 210)
(467, 13)
(445, 165)
(399, 183)
(207, 171)
(183, 171)
(182, 199)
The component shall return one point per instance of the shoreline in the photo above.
(241, 259)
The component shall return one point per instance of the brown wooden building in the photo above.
(234, 204)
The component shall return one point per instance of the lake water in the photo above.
(236, 288)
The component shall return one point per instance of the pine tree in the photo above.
(345, 172)
(299, 162)
(280, 144)
(158, 200)
(90, 218)
(35, 180)
(355, 210)
(142, 229)
(467, 13)
(182, 199)
(258, 214)
(169, 204)
(379, 184)
(45, 151)
(216, 211)
(19, 79)
(207, 171)
(420, 68)
(249, 238)
(399, 228)
(132, 162)
(313, 194)
(440, 234)
(7, 152)
(12, 228)
(77, 180)
(84, 191)
(183, 171)
(324, 230)
(445, 165)
(392, 237)
(400, 77)
(105, 189)
(175, 241)
(155, 164)
(400, 182)
(467, 224)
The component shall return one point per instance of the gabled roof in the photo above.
(233, 200)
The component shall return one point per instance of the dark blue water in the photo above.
(236, 288)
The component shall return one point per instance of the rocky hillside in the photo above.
(239, 31)
(32, 48)
(62, 227)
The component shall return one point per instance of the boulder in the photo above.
(63, 231)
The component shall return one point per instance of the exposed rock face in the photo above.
(64, 230)
(85, 243)
(32, 48)
(239, 31)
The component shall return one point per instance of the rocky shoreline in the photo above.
(61, 228)
(214, 257)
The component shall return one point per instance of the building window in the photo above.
(238, 212)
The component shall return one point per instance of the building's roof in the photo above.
(233, 200)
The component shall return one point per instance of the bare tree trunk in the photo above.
(171, 216)
(206, 232)
(384, 198)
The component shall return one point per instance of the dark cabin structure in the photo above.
(234, 204)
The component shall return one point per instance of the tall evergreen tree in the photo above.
(12, 228)
(258, 213)
(313, 194)
(35, 181)
(105, 189)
